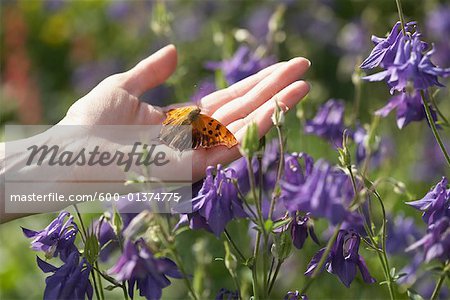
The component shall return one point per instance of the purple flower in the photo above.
(216, 204)
(300, 228)
(70, 281)
(383, 53)
(409, 108)
(205, 88)
(55, 239)
(295, 296)
(243, 64)
(326, 193)
(106, 238)
(435, 204)
(138, 265)
(436, 243)
(225, 294)
(411, 63)
(328, 122)
(401, 232)
(343, 259)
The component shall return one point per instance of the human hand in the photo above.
(115, 101)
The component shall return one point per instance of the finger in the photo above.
(213, 101)
(287, 99)
(152, 71)
(263, 91)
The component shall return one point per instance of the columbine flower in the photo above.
(411, 64)
(217, 202)
(106, 237)
(55, 239)
(70, 281)
(380, 148)
(436, 243)
(300, 228)
(138, 265)
(243, 64)
(328, 122)
(326, 193)
(383, 53)
(295, 296)
(409, 108)
(343, 259)
(225, 294)
(435, 204)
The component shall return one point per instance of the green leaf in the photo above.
(91, 248)
(281, 223)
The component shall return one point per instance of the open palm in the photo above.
(115, 101)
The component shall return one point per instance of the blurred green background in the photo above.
(53, 52)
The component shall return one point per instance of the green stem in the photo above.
(400, 15)
(383, 247)
(433, 127)
(441, 280)
(279, 172)
(83, 231)
(97, 293)
(433, 102)
(233, 244)
(254, 266)
(244, 200)
(275, 275)
(251, 178)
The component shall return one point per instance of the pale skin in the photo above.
(115, 101)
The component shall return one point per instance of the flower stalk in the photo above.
(433, 127)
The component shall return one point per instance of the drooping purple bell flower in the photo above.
(107, 239)
(300, 228)
(328, 122)
(70, 281)
(408, 107)
(326, 193)
(411, 64)
(57, 239)
(381, 147)
(436, 243)
(343, 259)
(217, 202)
(435, 204)
(295, 296)
(243, 64)
(383, 53)
(140, 267)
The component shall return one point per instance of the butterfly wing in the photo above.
(208, 132)
(175, 133)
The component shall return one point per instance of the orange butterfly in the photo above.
(206, 131)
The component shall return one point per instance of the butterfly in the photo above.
(206, 131)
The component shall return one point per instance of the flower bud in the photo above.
(250, 143)
(278, 115)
